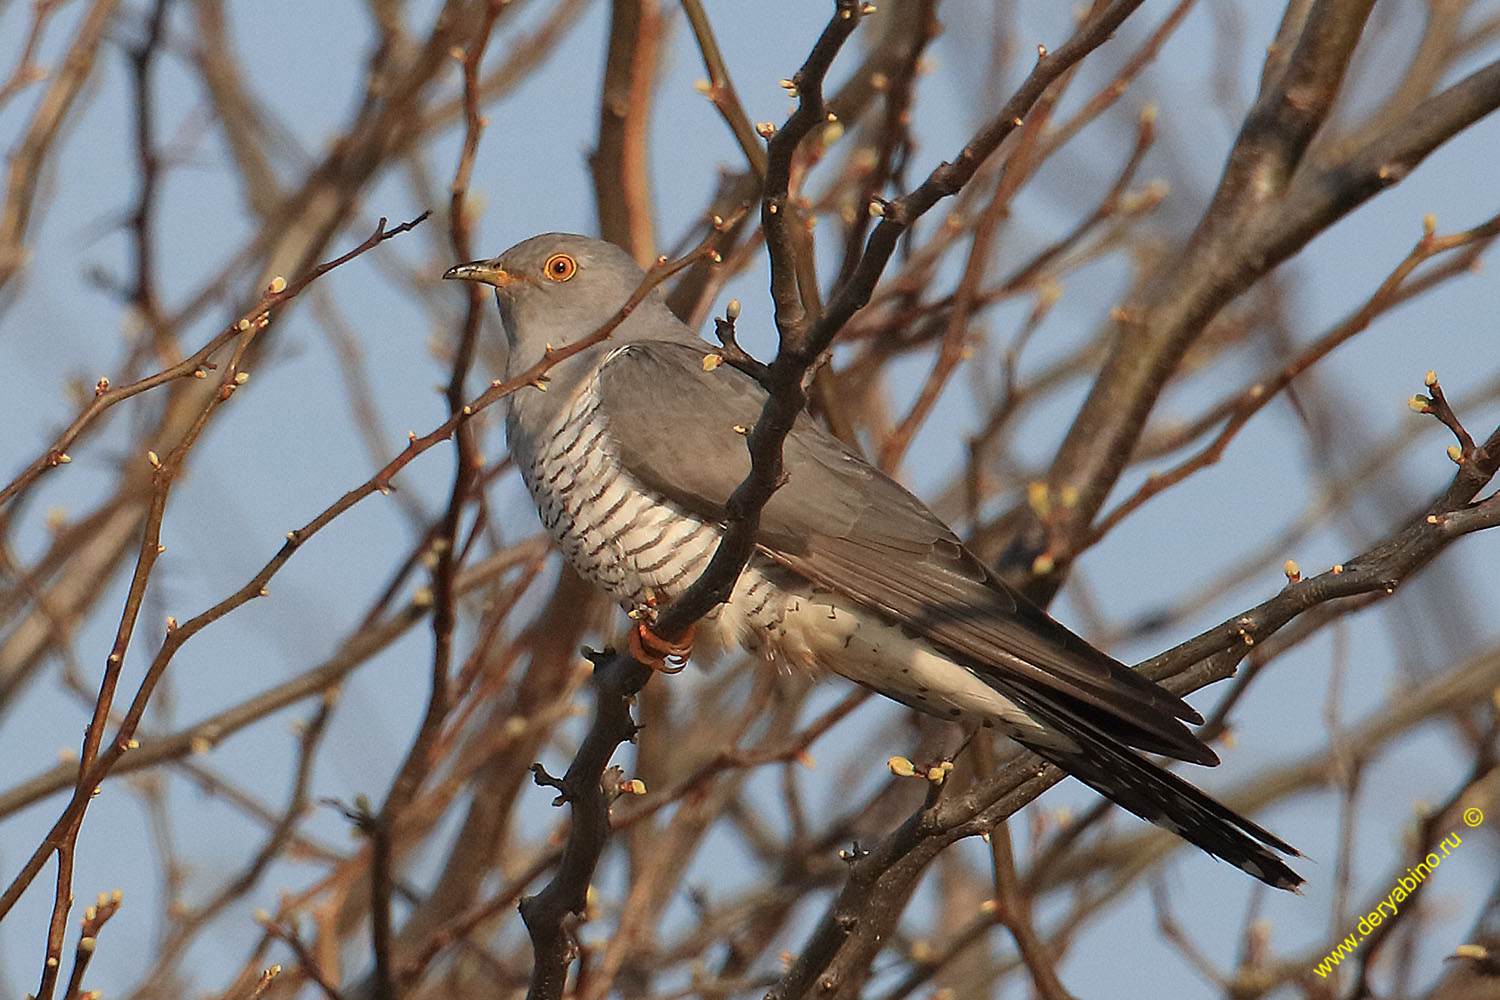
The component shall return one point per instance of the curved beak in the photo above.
(485, 271)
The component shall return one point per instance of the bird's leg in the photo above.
(656, 652)
(653, 650)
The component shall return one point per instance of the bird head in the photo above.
(558, 288)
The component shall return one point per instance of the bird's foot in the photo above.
(656, 652)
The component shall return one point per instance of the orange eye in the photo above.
(560, 267)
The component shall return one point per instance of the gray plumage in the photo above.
(631, 453)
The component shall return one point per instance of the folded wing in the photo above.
(848, 527)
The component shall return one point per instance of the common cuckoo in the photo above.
(631, 449)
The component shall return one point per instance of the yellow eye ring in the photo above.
(560, 267)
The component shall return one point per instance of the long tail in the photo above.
(1161, 797)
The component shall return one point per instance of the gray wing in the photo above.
(847, 526)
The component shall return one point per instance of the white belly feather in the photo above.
(826, 632)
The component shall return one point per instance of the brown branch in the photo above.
(307, 962)
(622, 187)
(859, 919)
(1172, 931)
(1252, 400)
(26, 71)
(1019, 165)
(894, 144)
(1111, 92)
(91, 772)
(29, 158)
(777, 220)
(1437, 825)
(94, 919)
(281, 835)
(1441, 697)
(548, 914)
(370, 638)
(1114, 201)
(1380, 569)
(420, 756)
(1264, 211)
(63, 839)
(246, 129)
(949, 178)
(95, 761)
(799, 348)
(1295, 100)
(195, 366)
(721, 90)
(783, 377)
(149, 171)
(1013, 909)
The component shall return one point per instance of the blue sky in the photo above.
(290, 446)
